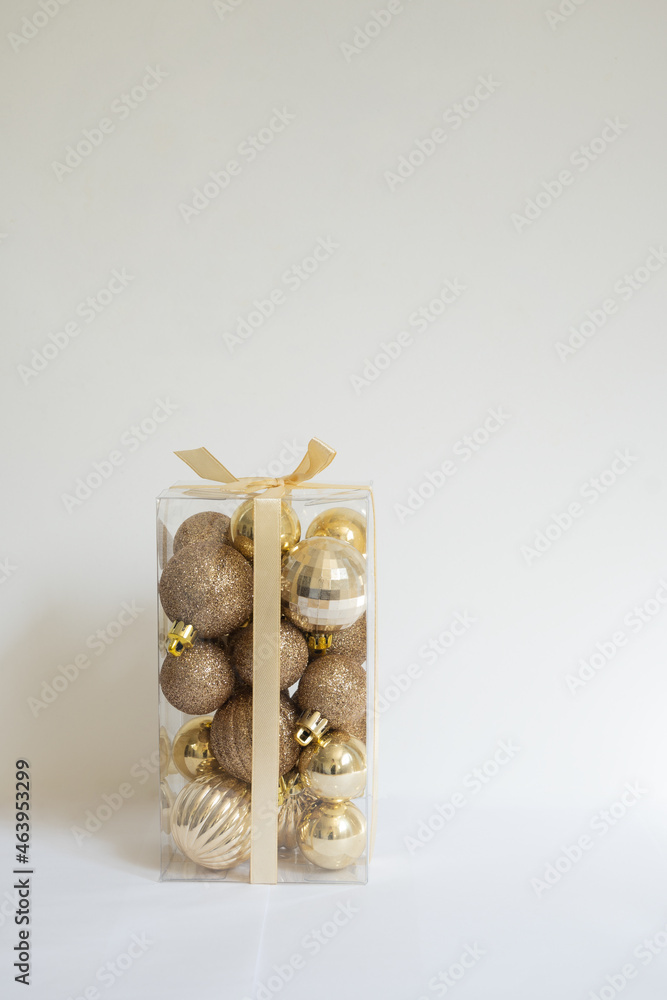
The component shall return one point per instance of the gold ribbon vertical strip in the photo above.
(266, 692)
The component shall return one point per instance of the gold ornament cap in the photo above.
(311, 727)
(320, 643)
(179, 637)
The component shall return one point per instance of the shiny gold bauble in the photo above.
(198, 681)
(231, 736)
(332, 834)
(210, 821)
(343, 523)
(242, 528)
(293, 654)
(335, 686)
(208, 587)
(191, 751)
(336, 770)
(323, 587)
(164, 748)
(294, 798)
(207, 526)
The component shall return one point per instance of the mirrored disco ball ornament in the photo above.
(324, 587)
(210, 821)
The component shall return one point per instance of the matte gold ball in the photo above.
(210, 821)
(242, 528)
(208, 587)
(191, 751)
(198, 681)
(207, 526)
(293, 654)
(294, 799)
(332, 834)
(231, 736)
(337, 770)
(343, 523)
(323, 588)
(335, 686)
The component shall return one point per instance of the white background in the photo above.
(360, 98)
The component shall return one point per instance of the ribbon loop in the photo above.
(207, 466)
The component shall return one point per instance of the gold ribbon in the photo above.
(266, 637)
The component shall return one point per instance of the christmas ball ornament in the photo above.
(335, 686)
(343, 523)
(351, 641)
(335, 770)
(294, 798)
(231, 736)
(191, 751)
(242, 528)
(332, 834)
(323, 588)
(198, 681)
(356, 728)
(209, 587)
(164, 749)
(166, 806)
(293, 654)
(208, 526)
(210, 821)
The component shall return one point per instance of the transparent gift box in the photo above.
(266, 689)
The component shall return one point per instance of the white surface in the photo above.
(323, 178)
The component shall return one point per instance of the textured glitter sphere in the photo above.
(198, 681)
(191, 751)
(231, 736)
(208, 587)
(332, 834)
(323, 587)
(335, 687)
(208, 526)
(337, 770)
(343, 523)
(242, 528)
(356, 728)
(293, 654)
(294, 799)
(351, 642)
(210, 821)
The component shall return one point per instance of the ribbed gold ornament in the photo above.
(210, 821)
(294, 799)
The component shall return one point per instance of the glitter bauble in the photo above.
(323, 588)
(191, 751)
(336, 770)
(198, 681)
(208, 587)
(207, 526)
(343, 523)
(351, 642)
(294, 798)
(231, 736)
(293, 654)
(332, 834)
(242, 528)
(334, 686)
(356, 728)
(210, 821)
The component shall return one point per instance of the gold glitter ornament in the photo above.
(335, 770)
(209, 587)
(207, 526)
(335, 686)
(242, 528)
(210, 821)
(351, 642)
(198, 681)
(332, 834)
(323, 588)
(293, 654)
(343, 523)
(231, 736)
(356, 728)
(294, 799)
(191, 751)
